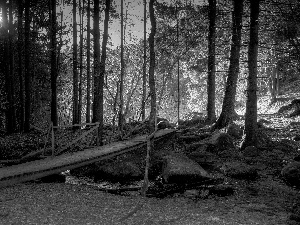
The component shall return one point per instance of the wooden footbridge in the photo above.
(52, 165)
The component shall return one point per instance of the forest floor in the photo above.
(264, 201)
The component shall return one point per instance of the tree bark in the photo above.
(144, 64)
(75, 73)
(211, 83)
(20, 68)
(251, 104)
(27, 80)
(152, 67)
(81, 14)
(5, 61)
(53, 64)
(122, 71)
(99, 70)
(88, 65)
(96, 105)
(11, 68)
(228, 113)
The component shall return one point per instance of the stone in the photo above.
(291, 174)
(204, 158)
(235, 130)
(296, 137)
(297, 158)
(251, 151)
(180, 169)
(239, 170)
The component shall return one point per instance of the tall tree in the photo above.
(251, 104)
(152, 66)
(75, 72)
(27, 80)
(99, 66)
(53, 63)
(81, 14)
(88, 63)
(12, 108)
(228, 113)
(211, 83)
(144, 63)
(6, 69)
(122, 70)
(20, 68)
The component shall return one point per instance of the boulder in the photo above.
(296, 137)
(163, 123)
(180, 169)
(234, 130)
(222, 145)
(251, 151)
(239, 170)
(291, 174)
(297, 158)
(204, 158)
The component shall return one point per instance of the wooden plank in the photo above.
(52, 165)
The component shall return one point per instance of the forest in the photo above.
(220, 75)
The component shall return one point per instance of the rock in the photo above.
(264, 121)
(119, 171)
(220, 141)
(295, 217)
(180, 169)
(263, 140)
(297, 158)
(291, 174)
(222, 145)
(224, 142)
(235, 130)
(163, 123)
(251, 151)
(296, 137)
(239, 170)
(295, 113)
(286, 145)
(204, 158)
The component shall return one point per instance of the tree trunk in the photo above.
(88, 64)
(6, 69)
(20, 68)
(11, 67)
(122, 71)
(99, 68)
(152, 67)
(53, 64)
(75, 73)
(211, 83)
(144, 64)
(272, 84)
(81, 14)
(228, 113)
(27, 80)
(96, 105)
(251, 104)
